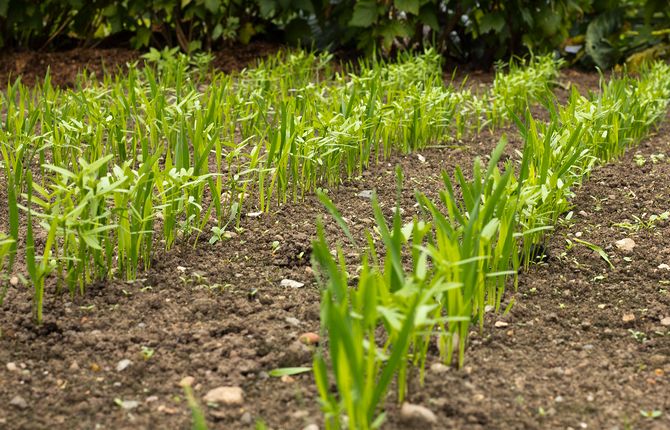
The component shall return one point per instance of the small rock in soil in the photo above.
(366, 194)
(123, 365)
(664, 266)
(254, 214)
(416, 414)
(292, 321)
(311, 427)
(19, 402)
(291, 283)
(225, 395)
(12, 367)
(246, 418)
(187, 381)
(74, 366)
(658, 359)
(628, 318)
(665, 321)
(439, 368)
(626, 245)
(129, 404)
(309, 338)
(500, 324)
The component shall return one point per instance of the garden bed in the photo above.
(219, 314)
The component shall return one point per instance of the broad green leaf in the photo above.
(365, 14)
(411, 6)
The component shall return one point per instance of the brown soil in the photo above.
(218, 313)
(64, 66)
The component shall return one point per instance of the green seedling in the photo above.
(597, 249)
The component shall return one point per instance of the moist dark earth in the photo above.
(584, 345)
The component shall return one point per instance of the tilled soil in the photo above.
(570, 355)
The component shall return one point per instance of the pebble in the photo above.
(74, 366)
(12, 367)
(500, 324)
(225, 395)
(254, 214)
(123, 365)
(658, 359)
(129, 404)
(293, 321)
(365, 194)
(19, 402)
(439, 368)
(416, 414)
(309, 338)
(311, 427)
(665, 321)
(627, 318)
(187, 381)
(664, 266)
(626, 245)
(246, 418)
(14, 281)
(291, 283)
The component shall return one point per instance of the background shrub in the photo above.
(595, 32)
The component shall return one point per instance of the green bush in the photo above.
(477, 31)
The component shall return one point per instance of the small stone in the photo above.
(129, 404)
(246, 418)
(123, 365)
(74, 366)
(300, 414)
(151, 399)
(19, 402)
(665, 321)
(500, 324)
(579, 234)
(225, 395)
(658, 359)
(12, 367)
(421, 158)
(292, 321)
(14, 281)
(254, 214)
(311, 427)
(664, 266)
(166, 410)
(625, 245)
(365, 194)
(559, 399)
(187, 381)
(290, 283)
(309, 338)
(417, 414)
(287, 379)
(439, 368)
(628, 318)
(583, 213)
(182, 269)
(229, 234)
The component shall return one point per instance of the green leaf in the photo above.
(288, 371)
(365, 14)
(427, 16)
(411, 6)
(598, 250)
(212, 5)
(491, 22)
